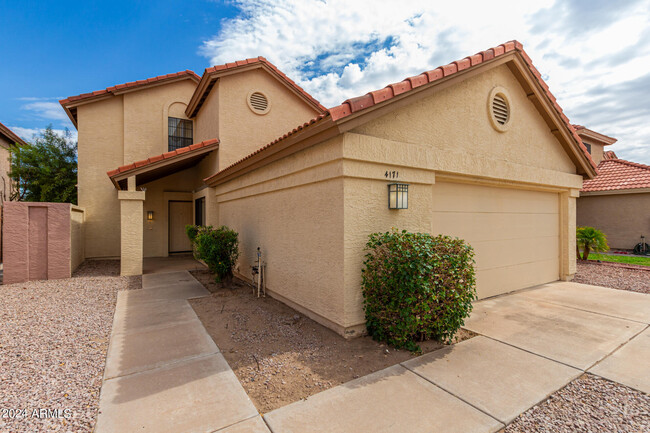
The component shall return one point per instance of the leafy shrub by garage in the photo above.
(218, 248)
(416, 287)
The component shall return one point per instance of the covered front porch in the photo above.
(173, 263)
(158, 197)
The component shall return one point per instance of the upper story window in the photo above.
(588, 146)
(180, 133)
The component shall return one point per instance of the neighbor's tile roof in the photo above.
(360, 103)
(11, 136)
(166, 155)
(615, 174)
(129, 85)
(609, 154)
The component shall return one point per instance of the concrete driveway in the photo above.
(532, 343)
(596, 329)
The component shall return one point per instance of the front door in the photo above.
(180, 215)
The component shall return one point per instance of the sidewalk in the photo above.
(163, 371)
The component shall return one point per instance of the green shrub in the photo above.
(218, 248)
(590, 239)
(191, 231)
(416, 287)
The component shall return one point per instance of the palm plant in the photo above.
(590, 239)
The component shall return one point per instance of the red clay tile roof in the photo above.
(360, 103)
(243, 63)
(68, 102)
(616, 174)
(167, 155)
(10, 135)
(609, 154)
(129, 85)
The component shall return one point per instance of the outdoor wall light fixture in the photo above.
(149, 215)
(398, 196)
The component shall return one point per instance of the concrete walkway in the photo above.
(163, 371)
(532, 343)
(165, 374)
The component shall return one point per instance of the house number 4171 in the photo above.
(391, 174)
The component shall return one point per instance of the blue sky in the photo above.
(53, 49)
(594, 56)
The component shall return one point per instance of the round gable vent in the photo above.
(499, 109)
(258, 103)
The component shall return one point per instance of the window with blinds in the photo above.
(180, 133)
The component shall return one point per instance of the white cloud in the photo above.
(28, 134)
(46, 110)
(592, 53)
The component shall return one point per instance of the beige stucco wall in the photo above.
(622, 217)
(77, 238)
(113, 132)
(455, 122)
(145, 118)
(100, 149)
(293, 210)
(131, 232)
(206, 123)
(5, 168)
(596, 151)
(239, 129)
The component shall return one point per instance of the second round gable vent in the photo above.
(500, 109)
(258, 102)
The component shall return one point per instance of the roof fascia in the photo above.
(163, 162)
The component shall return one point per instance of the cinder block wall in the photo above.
(38, 241)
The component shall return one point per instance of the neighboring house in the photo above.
(595, 142)
(7, 139)
(617, 201)
(480, 145)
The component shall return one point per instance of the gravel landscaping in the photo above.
(588, 404)
(281, 356)
(614, 276)
(53, 341)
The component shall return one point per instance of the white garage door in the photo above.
(515, 233)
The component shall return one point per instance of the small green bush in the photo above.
(416, 287)
(191, 231)
(218, 248)
(590, 239)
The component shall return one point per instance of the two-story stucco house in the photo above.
(477, 149)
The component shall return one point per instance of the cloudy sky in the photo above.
(595, 55)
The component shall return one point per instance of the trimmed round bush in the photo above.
(417, 287)
(218, 248)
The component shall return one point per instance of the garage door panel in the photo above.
(467, 225)
(461, 197)
(500, 253)
(495, 281)
(514, 232)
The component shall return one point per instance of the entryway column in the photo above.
(131, 208)
(568, 234)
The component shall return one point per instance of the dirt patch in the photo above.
(615, 277)
(281, 356)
